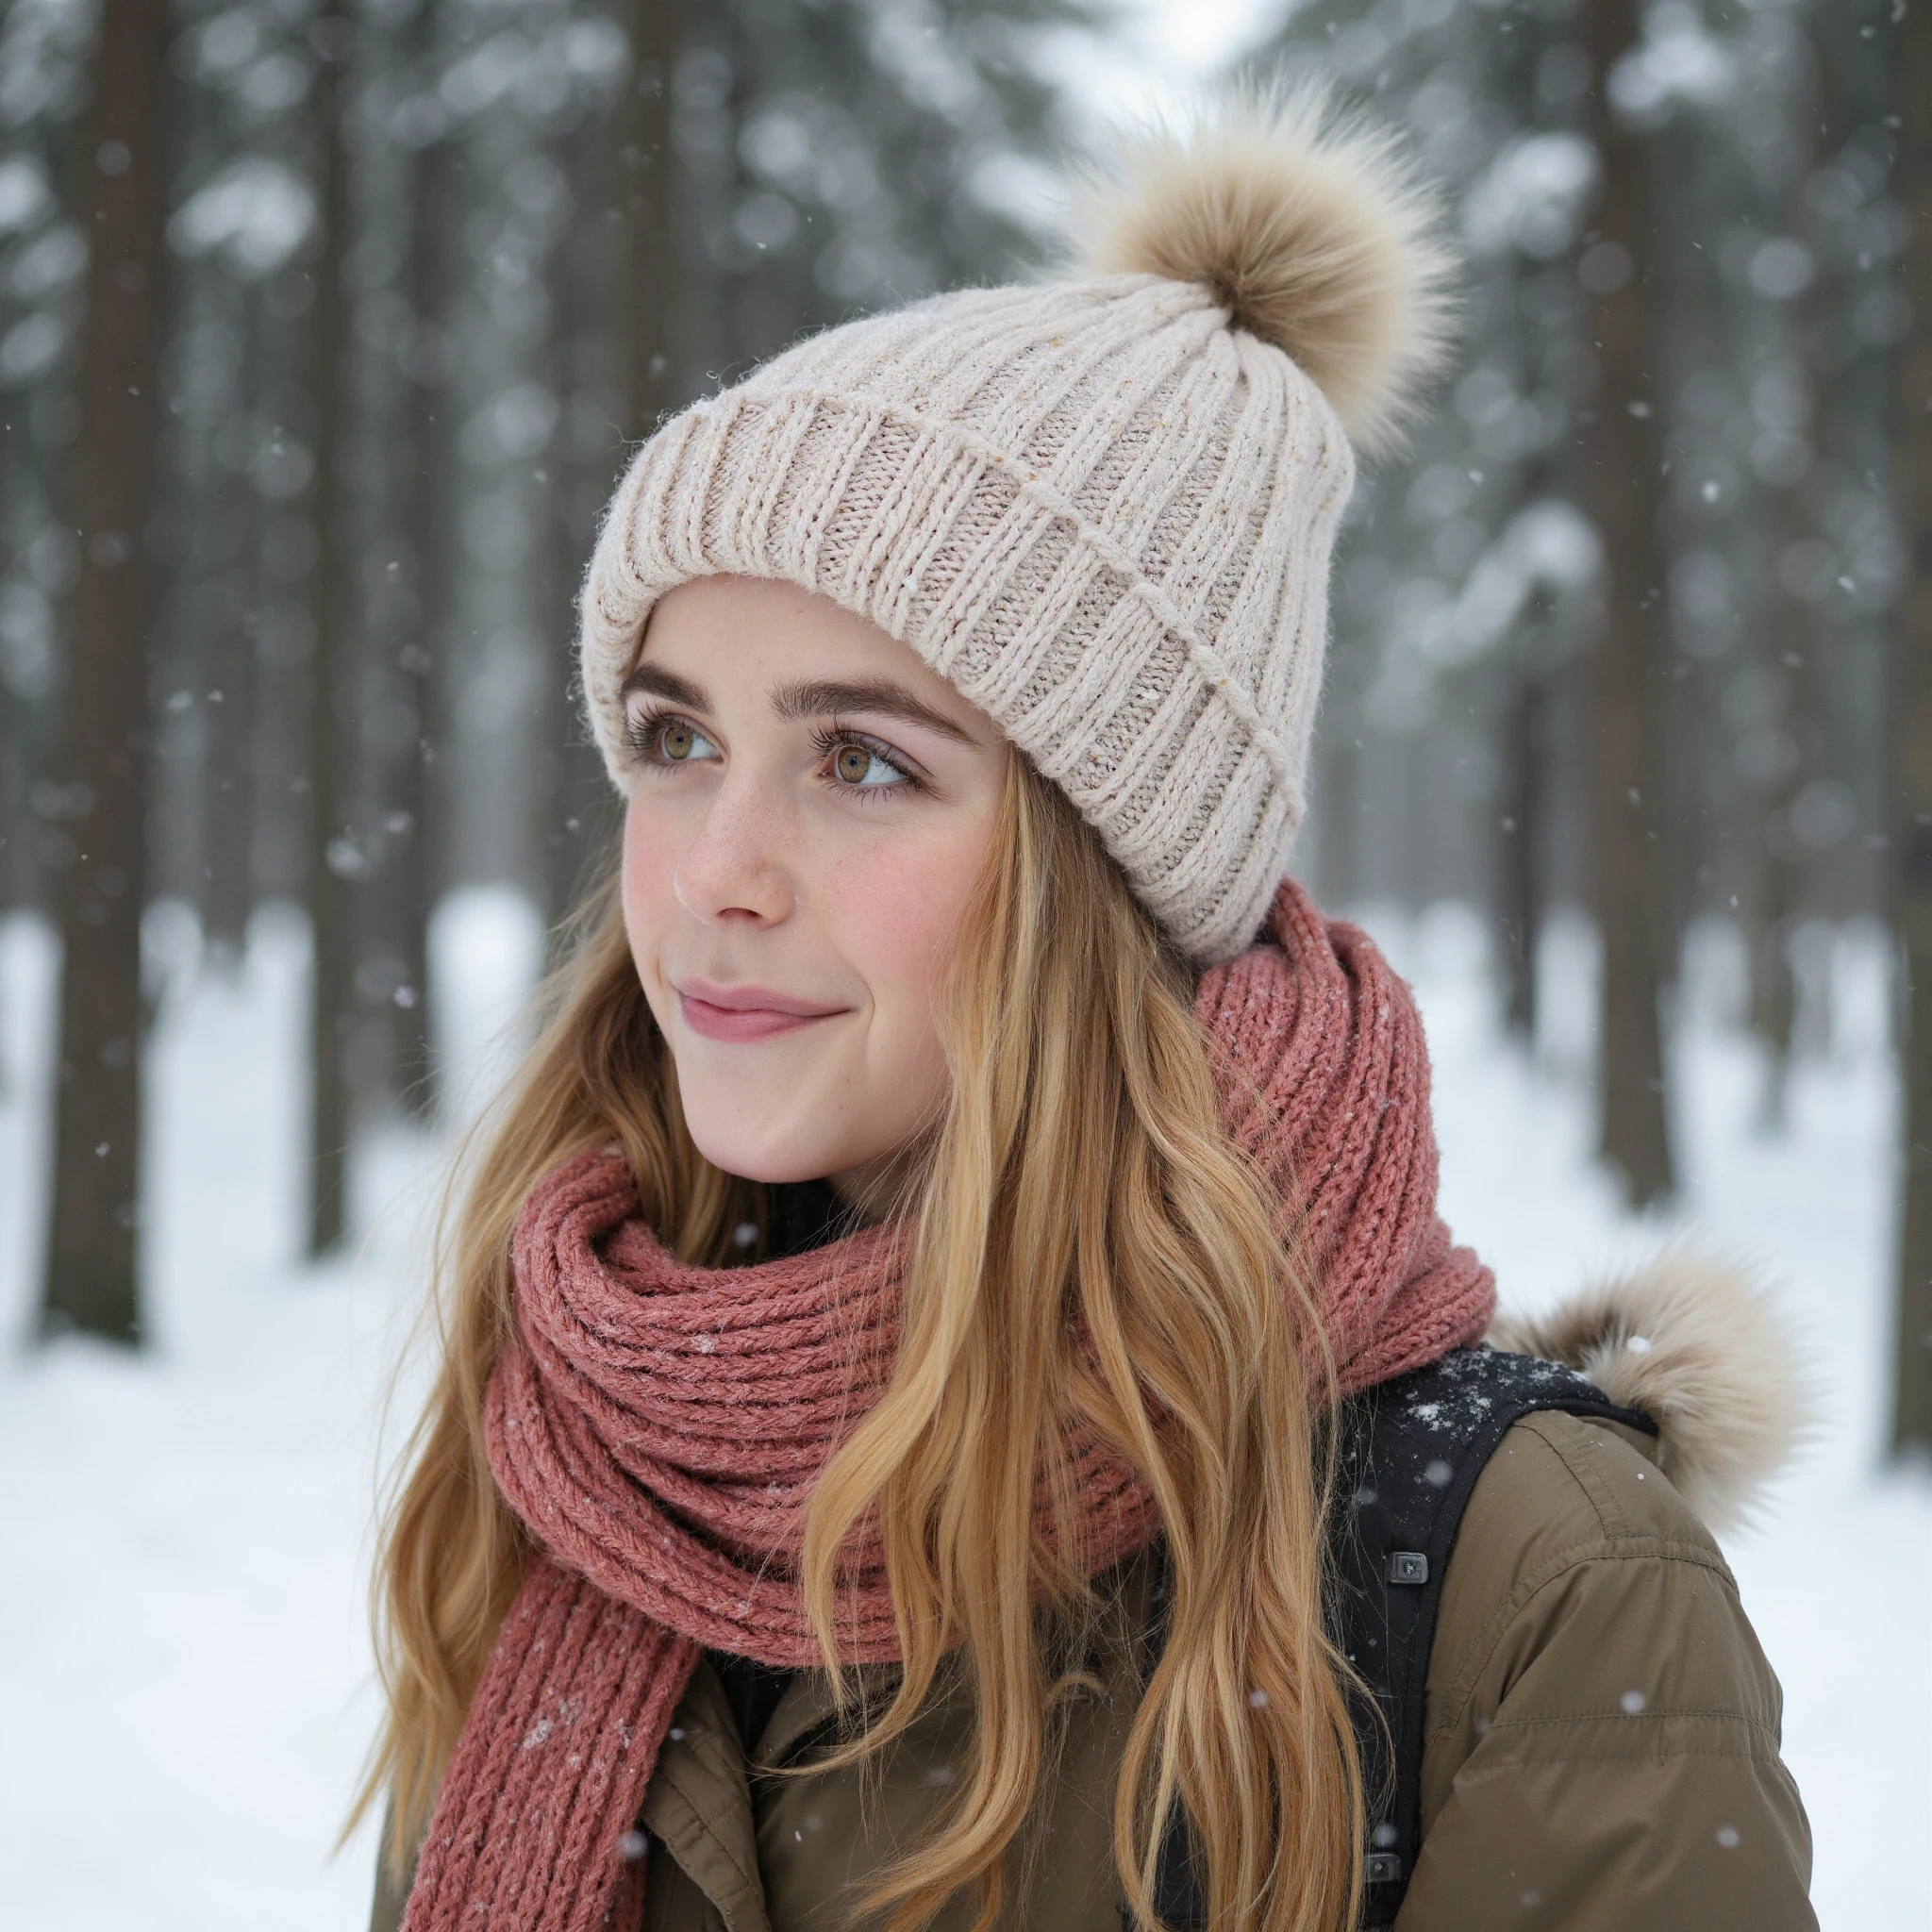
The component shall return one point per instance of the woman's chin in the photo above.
(757, 1158)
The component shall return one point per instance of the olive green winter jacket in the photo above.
(1602, 1742)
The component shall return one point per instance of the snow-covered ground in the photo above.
(182, 1629)
(183, 1668)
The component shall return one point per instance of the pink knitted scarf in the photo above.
(658, 1425)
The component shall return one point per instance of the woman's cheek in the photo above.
(901, 916)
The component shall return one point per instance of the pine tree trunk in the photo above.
(1518, 900)
(228, 682)
(1629, 686)
(1774, 990)
(649, 166)
(331, 899)
(19, 869)
(575, 803)
(426, 487)
(1800, 642)
(1912, 750)
(92, 1277)
(16, 873)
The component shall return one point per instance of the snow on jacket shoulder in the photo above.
(1602, 1727)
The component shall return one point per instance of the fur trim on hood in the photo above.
(1697, 1345)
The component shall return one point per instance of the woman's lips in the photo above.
(740, 1013)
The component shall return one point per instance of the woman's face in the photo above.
(809, 811)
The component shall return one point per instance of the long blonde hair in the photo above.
(1092, 1250)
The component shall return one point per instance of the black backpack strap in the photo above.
(1408, 1456)
(1408, 1462)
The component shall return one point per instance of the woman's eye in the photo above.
(672, 742)
(859, 765)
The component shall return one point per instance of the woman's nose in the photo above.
(734, 869)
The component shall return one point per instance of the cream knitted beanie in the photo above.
(1102, 507)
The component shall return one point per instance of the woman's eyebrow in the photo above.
(666, 685)
(817, 697)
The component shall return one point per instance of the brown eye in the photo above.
(660, 740)
(857, 766)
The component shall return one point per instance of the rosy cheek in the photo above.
(898, 913)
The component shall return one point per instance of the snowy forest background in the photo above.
(324, 332)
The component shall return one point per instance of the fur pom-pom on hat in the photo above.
(1307, 224)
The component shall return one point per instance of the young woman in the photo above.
(909, 1322)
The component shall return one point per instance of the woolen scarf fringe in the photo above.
(657, 1427)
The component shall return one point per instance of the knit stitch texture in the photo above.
(657, 1425)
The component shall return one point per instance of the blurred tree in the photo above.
(1629, 689)
(227, 535)
(1520, 896)
(92, 1269)
(45, 83)
(1788, 752)
(238, 465)
(1911, 1425)
(658, 32)
(334, 861)
(423, 476)
(613, 171)
(1533, 646)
